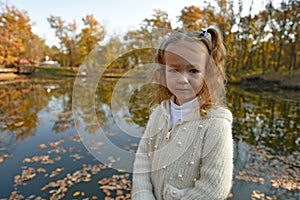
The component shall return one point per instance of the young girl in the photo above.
(187, 149)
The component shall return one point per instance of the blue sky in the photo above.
(117, 16)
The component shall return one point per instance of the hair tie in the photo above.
(207, 39)
(203, 32)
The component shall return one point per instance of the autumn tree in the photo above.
(140, 42)
(35, 48)
(150, 32)
(260, 35)
(217, 13)
(159, 20)
(279, 30)
(75, 47)
(192, 18)
(90, 35)
(15, 30)
(156, 27)
(111, 52)
(284, 25)
(66, 33)
(294, 35)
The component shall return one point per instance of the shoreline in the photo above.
(268, 81)
(271, 81)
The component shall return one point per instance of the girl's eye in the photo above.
(194, 71)
(172, 70)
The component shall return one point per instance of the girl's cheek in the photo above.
(172, 75)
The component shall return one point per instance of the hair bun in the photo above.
(213, 33)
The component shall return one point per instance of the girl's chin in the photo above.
(183, 100)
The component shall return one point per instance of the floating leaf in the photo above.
(77, 193)
(42, 146)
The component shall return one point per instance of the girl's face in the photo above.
(185, 69)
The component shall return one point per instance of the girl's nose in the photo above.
(183, 79)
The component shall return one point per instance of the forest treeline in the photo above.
(256, 43)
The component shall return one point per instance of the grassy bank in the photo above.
(60, 72)
(285, 80)
(281, 79)
(54, 72)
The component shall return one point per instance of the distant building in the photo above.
(24, 66)
(23, 62)
(50, 61)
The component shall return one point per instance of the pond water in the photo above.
(42, 156)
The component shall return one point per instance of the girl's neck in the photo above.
(183, 105)
(179, 111)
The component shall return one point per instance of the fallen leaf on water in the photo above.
(15, 196)
(108, 187)
(55, 144)
(110, 133)
(42, 146)
(75, 194)
(119, 183)
(26, 160)
(76, 156)
(26, 175)
(256, 194)
(56, 172)
(41, 170)
(75, 138)
(18, 124)
(71, 149)
(242, 176)
(58, 150)
(43, 159)
(286, 184)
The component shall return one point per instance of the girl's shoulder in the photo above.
(163, 107)
(220, 112)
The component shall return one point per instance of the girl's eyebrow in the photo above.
(189, 66)
(173, 65)
(193, 65)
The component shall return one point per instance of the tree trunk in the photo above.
(263, 59)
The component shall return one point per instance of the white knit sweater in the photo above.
(195, 163)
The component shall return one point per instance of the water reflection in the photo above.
(266, 133)
(263, 119)
(20, 103)
(18, 110)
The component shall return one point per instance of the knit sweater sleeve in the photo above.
(141, 184)
(217, 163)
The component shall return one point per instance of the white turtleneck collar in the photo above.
(179, 111)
